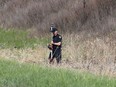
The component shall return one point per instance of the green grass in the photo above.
(13, 38)
(14, 74)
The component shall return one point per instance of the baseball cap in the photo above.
(53, 29)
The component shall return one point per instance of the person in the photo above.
(56, 46)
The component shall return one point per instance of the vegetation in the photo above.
(13, 38)
(88, 28)
(13, 74)
(92, 16)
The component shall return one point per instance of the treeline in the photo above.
(68, 15)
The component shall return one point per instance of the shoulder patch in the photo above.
(60, 37)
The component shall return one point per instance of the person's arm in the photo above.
(59, 41)
(58, 44)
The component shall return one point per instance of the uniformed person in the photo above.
(56, 46)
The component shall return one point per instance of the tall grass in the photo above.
(13, 74)
(94, 54)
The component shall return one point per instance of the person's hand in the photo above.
(52, 42)
(50, 46)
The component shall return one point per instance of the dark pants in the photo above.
(56, 53)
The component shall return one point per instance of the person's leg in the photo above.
(58, 60)
(58, 56)
(49, 56)
(52, 57)
(51, 60)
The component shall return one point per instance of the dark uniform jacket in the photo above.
(56, 39)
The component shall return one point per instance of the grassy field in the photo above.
(13, 38)
(13, 74)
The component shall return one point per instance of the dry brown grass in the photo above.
(94, 54)
(37, 55)
(69, 15)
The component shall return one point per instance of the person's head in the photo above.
(54, 31)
